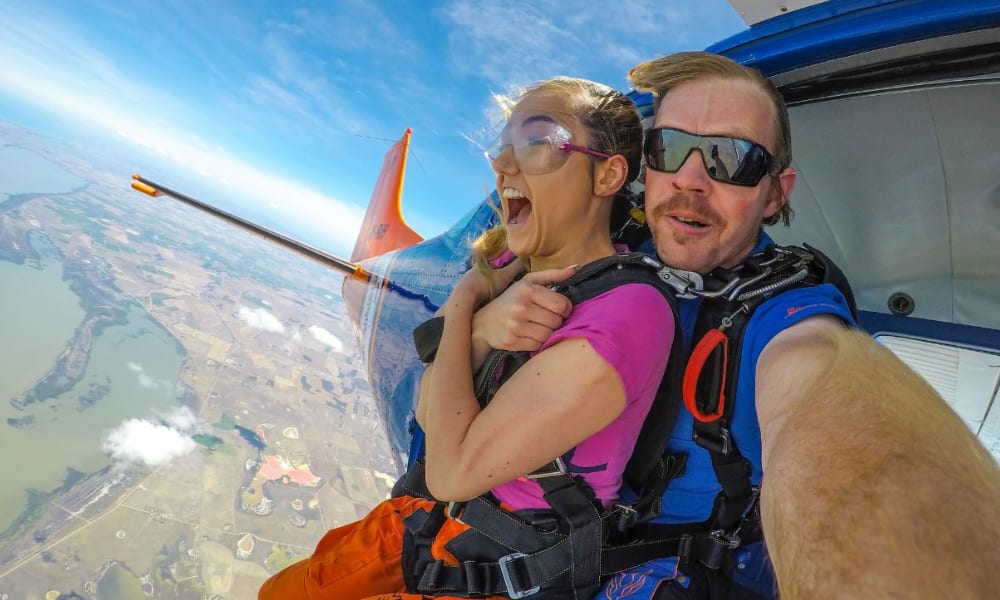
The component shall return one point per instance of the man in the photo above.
(870, 486)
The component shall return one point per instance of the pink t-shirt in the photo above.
(632, 328)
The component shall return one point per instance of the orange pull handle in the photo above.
(696, 364)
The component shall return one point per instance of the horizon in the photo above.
(284, 113)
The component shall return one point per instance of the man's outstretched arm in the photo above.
(873, 487)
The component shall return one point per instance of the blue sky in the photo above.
(283, 110)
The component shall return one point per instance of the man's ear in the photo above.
(610, 175)
(782, 186)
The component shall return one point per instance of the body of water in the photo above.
(23, 172)
(132, 370)
(132, 373)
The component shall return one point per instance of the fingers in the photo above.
(553, 303)
(524, 328)
(532, 336)
(522, 317)
(550, 276)
(535, 291)
(503, 276)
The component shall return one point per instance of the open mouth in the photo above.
(518, 206)
(690, 222)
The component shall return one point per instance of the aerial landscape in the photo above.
(187, 407)
(227, 415)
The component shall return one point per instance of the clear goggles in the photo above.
(540, 145)
(727, 159)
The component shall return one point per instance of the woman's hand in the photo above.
(476, 285)
(525, 314)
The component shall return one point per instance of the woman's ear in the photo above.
(610, 175)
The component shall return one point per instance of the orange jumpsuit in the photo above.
(363, 560)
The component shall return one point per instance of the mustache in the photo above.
(686, 203)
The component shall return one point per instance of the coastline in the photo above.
(37, 501)
(105, 305)
(100, 300)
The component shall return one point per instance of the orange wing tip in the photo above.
(145, 189)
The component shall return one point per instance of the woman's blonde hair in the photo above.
(612, 125)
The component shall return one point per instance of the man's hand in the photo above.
(523, 316)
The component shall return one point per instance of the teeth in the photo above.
(511, 193)
(689, 221)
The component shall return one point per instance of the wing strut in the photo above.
(347, 267)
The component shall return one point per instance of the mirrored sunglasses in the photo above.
(726, 159)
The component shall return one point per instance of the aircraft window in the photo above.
(967, 379)
(184, 409)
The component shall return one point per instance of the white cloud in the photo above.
(184, 419)
(326, 338)
(148, 382)
(150, 442)
(512, 43)
(258, 318)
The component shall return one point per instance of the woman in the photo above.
(569, 148)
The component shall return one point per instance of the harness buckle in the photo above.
(723, 445)
(454, 511)
(687, 284)
(559, 468)
(514, 590)
(713, 554)
(627, 517)
(729, 540)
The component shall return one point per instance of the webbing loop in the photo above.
(715, 338)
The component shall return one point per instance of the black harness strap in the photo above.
(712, 376)
(647, 462)
(421, 527)
(520, 557)
(529, 559)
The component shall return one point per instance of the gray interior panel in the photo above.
(902, 189)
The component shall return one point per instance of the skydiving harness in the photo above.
(729, 299)
(576, 544)
(527, 552)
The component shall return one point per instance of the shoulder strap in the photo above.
(829, 272)
(647, 465)
(711, 376)
(648, 470)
